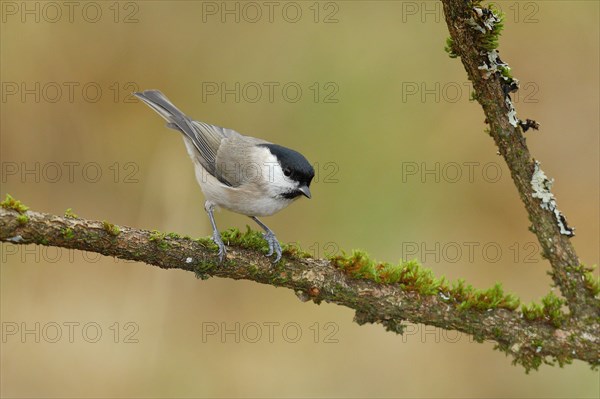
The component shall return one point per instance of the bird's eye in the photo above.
(287, 172)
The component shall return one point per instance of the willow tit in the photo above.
(240, 173)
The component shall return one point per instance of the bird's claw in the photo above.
(274, 245)
(222, 249)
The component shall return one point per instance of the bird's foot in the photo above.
(274, 245)
(222, 249)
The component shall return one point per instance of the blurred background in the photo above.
(404, 170)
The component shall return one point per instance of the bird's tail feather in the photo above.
(176, 119)
(161, 104)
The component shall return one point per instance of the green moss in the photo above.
(206, 243)
(492, 298)
(22, 219)
(253, 270)
(531, 357)
(111, 228)
(357, 265)
(156, 235)
(70, 215)
(506, 72)
(490, 40)
(11, 203)
(68, 234)
(449, 48)
(411, 276)
(201, 270)
(497, 332)
(250, 239)
(549, 310)
(552, 307)
(279, 279)
(173, 236)
(294, 250)
(394, 326)
(529, 361)
(159, 239)
(592, 283)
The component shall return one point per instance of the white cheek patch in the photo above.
(272, 173)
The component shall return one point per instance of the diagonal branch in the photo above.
(474, 32)
(487, 315)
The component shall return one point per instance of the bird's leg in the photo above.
(209, 207)
(271, 239)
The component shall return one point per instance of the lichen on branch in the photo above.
(474, 36)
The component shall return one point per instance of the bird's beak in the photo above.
(305, 191)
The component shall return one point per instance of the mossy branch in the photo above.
(474, 32)
(379, 292)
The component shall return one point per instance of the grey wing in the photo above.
(238, 160)
(208, 139)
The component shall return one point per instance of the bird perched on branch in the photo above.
(243, 174)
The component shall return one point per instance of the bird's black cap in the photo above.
(294, 165)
